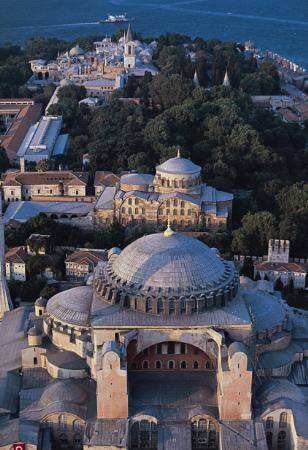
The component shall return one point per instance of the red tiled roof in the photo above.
(282, 267)
(46, 178)
(16, 255)
(86, 257)
(103, 178)
(26, 117)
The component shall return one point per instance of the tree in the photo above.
(48, 291)
(4, 160)
(247, 269)
(43, 165)
(167, 91)
(253, 236)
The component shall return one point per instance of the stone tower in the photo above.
(5, 298)
(129, 50)
(278, 251)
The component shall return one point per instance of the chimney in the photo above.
(22, 164)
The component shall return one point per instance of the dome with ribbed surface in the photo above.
(179, 166)
(72, 306)
(176, 261)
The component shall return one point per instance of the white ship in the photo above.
(117, 18)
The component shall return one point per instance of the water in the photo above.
(280, 25)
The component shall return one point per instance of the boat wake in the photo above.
(58, 25)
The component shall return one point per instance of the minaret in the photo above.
(5, 298)
(196, 79)
(226, 82)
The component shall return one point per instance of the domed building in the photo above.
(175, 192)
(167, 349)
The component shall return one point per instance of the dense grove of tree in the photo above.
(245, 151)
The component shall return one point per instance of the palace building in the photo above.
(164, 348)
(176, 192)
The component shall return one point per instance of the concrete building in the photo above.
(164, 349)
(16, 264)
(175, 192)
(279, 267)
(80, 264)
(43, 140)
(19, 186)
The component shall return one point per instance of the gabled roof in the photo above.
(86, 257)
(17, 255)
(103, 178)
(46, 178)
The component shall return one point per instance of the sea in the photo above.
(278, 25)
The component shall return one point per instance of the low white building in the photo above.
(43, 140)
(15, 264)
(80, 264)
(279, 267)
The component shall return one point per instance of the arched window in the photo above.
(196, 365)
(77, 425)
(143, 211)
(130, 202)
(129, 210)
(269, 440)
(168, 203)
(269, 423)
(208, 365)
(62, 422)
(136, 201)
(136, 210)
(160, 305)
(283, 420)
(175, 202)
(171, 364)
(189, 212)
(158, 365)
(182, 204)
(282, 440)
(175, 212)
(149, 305)
(145, 364)
(182, 212)
(183, 365)
(123, 210)
(204, 435)
(143, 435)
(160, 211)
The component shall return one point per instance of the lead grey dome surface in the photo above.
(72, 306)
(178, 166)
(177, 262)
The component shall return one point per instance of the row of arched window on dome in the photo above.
(204, 435)
(172, 365)
(179, 183)
(62, 424)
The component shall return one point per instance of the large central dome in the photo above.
(179, 166)
(176, 262)
(167, 273)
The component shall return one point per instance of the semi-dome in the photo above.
(278, 389)
(167, 268)
(177, 262)
(72, 306)
(179, 166)
(64, 391)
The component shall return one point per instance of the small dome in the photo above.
(76, 51)
(64, 391)
(41, 301)
(179, 166)
(33, 332)
(64, 82)
(175, 261)
(72, 306)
